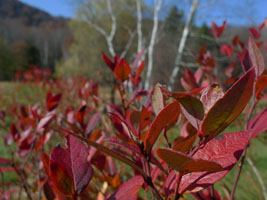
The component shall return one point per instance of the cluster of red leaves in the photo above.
(33, 74)
(97, 133)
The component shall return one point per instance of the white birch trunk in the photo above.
(179, 55)
(152, 43)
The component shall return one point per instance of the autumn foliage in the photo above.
(75, 144)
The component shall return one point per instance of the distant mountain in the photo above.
(28, 15)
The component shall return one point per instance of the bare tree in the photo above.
(179, 55)
(152, 43)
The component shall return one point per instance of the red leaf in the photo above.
(185, 164)
(258, 124)
(211, 95)
(92, 124)
(122, 71)
(109, 152)
(81, 114)
(52, 101)
(245, 60)
(184, 144)
(163, 119)
(140, 69)
(45, 160)
(256, 34)
(144, 118)
(70, 164)
(192, 108)
(198, 75)
(128, 190)
(215, 30)
(256, 57)
(229, 107)
(108, 62)
(226, 50)
(225, 150)
(261, 83)
(188, 80)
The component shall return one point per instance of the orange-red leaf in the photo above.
(185, 164)
(163, 119)
(122, 71)
(184, 144)
(261, 83)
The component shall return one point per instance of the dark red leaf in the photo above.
(61, 178)
(70, 164)
(188, 80)
(52, 101)
(215, 30)
(128, 190)
(109, 63)
(229, 107)
(109, 152)
(256, 57)
(256, 34)
(258, 124)
(163, 119)
(192, 108)
(245, 60)
(225, 150)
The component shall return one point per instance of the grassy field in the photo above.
(248, 188)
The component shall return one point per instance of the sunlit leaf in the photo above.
(229, 107)
(225, 150)
(256, 57)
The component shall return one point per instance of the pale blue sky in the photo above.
(236, 12)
